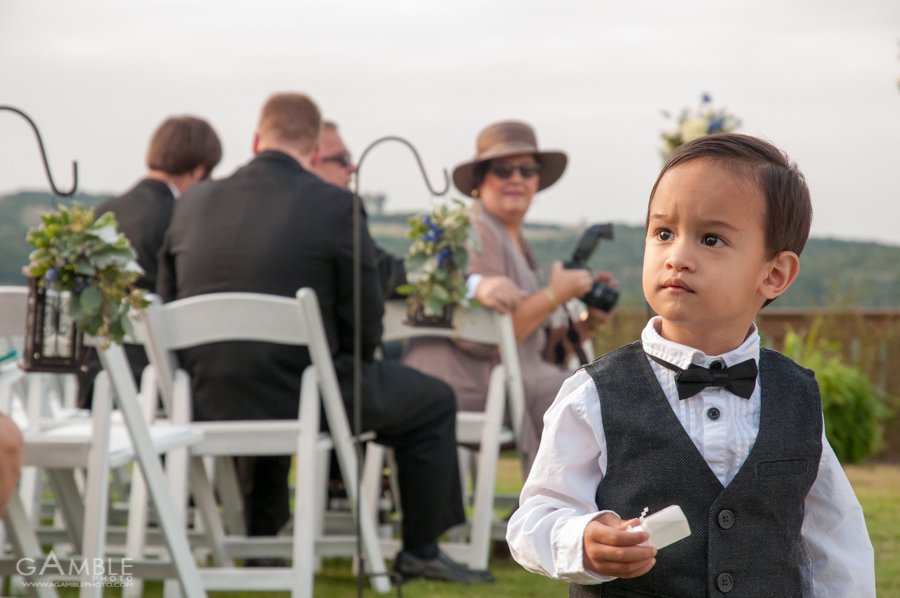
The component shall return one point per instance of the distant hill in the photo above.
(832, 272)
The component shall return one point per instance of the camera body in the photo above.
(601, 296)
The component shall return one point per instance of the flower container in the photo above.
(52, 341)
(416, 316)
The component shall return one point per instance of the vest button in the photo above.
(713, 413)
(725, 582)
(726, 519)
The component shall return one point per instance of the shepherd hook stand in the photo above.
(357, 331)
(44, 157)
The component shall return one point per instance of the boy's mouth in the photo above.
(676, 285)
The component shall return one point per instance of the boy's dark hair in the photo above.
(788, 210)
(181, 144)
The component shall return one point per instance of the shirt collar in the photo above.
(174, 190)
(682, 356)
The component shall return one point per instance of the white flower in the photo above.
(692, 129)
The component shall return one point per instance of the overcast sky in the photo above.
(816, 77)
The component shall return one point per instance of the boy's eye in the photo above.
(711, 241)
(664, 235)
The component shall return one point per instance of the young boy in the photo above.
(741, 450)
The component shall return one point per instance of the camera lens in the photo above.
(601, 297)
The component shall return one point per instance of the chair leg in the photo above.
(96, 494)
(208, 510)
(373, 470)
(69, 502)
(177, 473)
(136, 534)
(322, 471)
(304, 491)
(226, 483)
(488, 455)
(25, 542)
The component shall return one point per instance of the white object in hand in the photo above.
(665, 527)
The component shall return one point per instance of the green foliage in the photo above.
(437, 260)
(852, 406)
(95, 263)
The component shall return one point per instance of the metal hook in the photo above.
(357, 329)
(418, 161)
(44, 157)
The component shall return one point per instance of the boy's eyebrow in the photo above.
(718, 224)
(703, 223)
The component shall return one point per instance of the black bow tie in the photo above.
(739, 379)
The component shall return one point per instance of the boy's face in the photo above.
(705, 256)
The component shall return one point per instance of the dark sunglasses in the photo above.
(504, 170)
(342, 160)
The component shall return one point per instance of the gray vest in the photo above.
(745, 537)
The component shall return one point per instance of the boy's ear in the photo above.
(783, 271)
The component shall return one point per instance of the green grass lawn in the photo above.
(877, 486)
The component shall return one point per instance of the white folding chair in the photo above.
(97, 446)
(254, 317)
(482, 429)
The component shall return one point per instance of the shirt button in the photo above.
(726, 519)
(725, 582)
(713, 413)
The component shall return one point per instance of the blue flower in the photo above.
(444, 255)
(432, 236)
(716, 125)
(706, 98)
(50, 274)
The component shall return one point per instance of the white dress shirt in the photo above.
(558, 500)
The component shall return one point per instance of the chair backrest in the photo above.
(13, 310)
(219, 317)
(477, 324)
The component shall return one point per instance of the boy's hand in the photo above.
(609, 549)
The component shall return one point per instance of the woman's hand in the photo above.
(499, 293)
(569, 284)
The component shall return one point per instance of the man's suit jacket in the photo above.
(271, 227)
(143, 214)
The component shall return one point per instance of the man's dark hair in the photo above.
(181, 144)
(788, 211)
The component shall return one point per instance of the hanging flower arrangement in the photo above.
(706, 120)
(91, 261)
(437, 261)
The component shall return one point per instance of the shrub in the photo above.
(853, 406)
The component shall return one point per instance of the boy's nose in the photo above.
(680, 257)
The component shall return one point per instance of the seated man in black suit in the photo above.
(183, 151)
(273, 227)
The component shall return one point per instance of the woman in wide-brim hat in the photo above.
(508, 169)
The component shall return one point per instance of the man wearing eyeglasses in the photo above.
(335, 166)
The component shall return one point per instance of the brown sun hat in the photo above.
(505, 139)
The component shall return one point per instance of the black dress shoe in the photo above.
(266, 562)
(442, 567)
